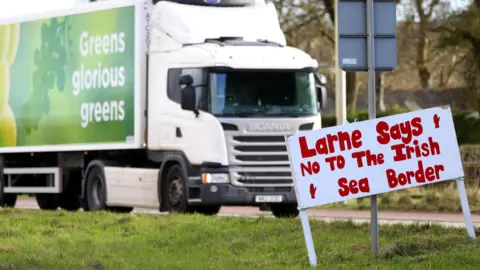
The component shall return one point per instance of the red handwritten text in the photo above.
(352, 186)
(313, 190)
(338, 160)
(326, 145)
(436, 120)
(310, 168)
(404, 152)
(372, 159)
(404, 131)
(421, 175)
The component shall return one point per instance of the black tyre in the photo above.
(175, 191)
(120, 209)
(10, 200)
(2, 192)
(264, 207)
(47, 201)
(6, 200)
(96, 191)
(207, 210)
(69, 201)
(284, 210)
(83, 204)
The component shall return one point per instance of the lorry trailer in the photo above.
(181, 106)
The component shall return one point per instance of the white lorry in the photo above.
(180, 106)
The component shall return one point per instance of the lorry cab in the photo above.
(225, 90)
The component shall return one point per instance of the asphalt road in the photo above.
(385, 217)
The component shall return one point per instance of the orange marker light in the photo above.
(205, 178)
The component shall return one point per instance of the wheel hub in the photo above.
(176, 192)
(97, 192)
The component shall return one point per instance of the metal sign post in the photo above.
(367, 42)
(372, 112)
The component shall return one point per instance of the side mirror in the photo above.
(188, 98)
(320, 79)
(322, 97)
(321, 83)
(186, 80)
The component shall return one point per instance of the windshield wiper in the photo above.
(263, 114)
(266, 41)
(246, 113)
(290, 114)
(238, 114)
(284, 114)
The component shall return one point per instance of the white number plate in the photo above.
(268, 198)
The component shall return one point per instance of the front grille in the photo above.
(264, 177)
(261, 148)
(268, 190)
(255, 158)
(259, 161)
(266, 174)
(257, 139)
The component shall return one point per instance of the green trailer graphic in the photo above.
(68, 80)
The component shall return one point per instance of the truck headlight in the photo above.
(215, 178)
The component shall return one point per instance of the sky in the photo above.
(454, 4)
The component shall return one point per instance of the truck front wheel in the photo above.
(284, 210)
(47, 201)
(175, 191)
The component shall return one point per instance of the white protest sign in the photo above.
(375, 156)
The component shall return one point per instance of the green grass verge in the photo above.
(99, 240)
(417, 199)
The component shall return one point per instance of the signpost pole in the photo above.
(465, 208)
(372, 110)
(307, 233)
(340, 83)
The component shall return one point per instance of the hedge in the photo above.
(467, 125)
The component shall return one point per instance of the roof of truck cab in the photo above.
(240, 57)
(189, 24)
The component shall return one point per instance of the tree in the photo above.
(298, 17)
(462, 31)
(420, 14)
(424, 12)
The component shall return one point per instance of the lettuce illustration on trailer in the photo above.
(9, 37)
(68, 79)
(50, 61)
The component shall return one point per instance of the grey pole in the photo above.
(340, 83)
(372, 111)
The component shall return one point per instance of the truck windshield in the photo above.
(262, 93)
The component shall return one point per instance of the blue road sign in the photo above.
(353, 35)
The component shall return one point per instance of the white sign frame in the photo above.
(457, 174)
